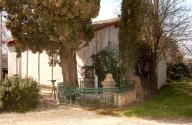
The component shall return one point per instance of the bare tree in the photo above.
(165, 21)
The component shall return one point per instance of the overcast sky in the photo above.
(109, 9)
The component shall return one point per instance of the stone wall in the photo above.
(124, 98)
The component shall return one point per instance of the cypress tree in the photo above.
(130, 34)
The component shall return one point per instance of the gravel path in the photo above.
(74, 116)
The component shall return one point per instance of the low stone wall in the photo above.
(124, 98)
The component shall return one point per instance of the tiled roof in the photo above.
(97, 25)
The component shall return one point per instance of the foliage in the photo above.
(142, 67)
(101, 63)
(158, 23)
(49, 24)
(52, 25)
(177, 71)
(174, 55)
(17, 94)
(165, 22)
(130, 33)
(173, 101)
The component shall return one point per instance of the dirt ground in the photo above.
(64, 115)
(48, 113)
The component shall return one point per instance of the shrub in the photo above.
(177, 71)
(17, 94)
(101, 63)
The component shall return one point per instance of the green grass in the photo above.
(172, 101)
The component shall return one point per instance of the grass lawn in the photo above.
(172, 101)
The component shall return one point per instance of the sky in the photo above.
(110, 9)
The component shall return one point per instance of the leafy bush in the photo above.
(177, 71)
(106, 62)
(17, 94)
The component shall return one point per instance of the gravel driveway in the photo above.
(74, 116)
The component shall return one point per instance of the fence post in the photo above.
(116, 102)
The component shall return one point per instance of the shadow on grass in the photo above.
(172, 102)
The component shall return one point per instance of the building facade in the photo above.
(36, 65)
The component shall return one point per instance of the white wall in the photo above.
(11, 61)
(99, 42)
(162, 72)
(45, 70)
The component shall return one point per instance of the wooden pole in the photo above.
(52, 65)
(27, 72)
(39, 67)
(1, 44)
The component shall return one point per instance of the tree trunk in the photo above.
(69, 67)
(153, 75)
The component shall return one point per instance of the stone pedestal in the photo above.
(109, 82)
